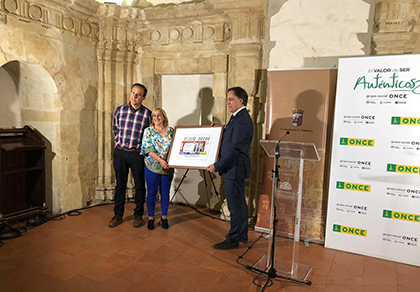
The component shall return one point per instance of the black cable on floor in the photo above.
(75, 212)
(40, 219)
(248, 267)
(7, 232)
(58, 216)
(247, 250)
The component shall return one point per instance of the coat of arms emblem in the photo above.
(297, 117)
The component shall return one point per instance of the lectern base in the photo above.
(285, 268)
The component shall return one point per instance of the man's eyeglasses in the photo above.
(137, 94)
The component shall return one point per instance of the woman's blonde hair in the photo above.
(165, 116)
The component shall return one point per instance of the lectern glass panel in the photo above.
(287, 195)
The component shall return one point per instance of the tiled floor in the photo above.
(80, 253)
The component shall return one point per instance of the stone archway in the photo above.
(30, 95)
(9, 98)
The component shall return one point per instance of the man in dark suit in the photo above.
(234, 166)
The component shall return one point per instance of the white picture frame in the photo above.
(195, 147)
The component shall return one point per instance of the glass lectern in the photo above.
(288, 187)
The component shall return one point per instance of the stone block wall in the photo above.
(48, 48)
(89, 56)
(396, 29)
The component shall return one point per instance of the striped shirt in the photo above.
(129, 125)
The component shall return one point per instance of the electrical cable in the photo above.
(7, 232)
(247, 250)
(247, 266)
(58, 216)
(39, 220)
(76, 212)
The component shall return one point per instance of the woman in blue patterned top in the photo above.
(156, 142)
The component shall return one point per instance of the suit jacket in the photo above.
(234, 162)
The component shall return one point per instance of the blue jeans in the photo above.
(154, 182)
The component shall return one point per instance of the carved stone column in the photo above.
(117, 58)
(396, 27)
(104, 188)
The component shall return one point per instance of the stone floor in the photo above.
(80, 253)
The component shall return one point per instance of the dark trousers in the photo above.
(123, 161)
(235, 196)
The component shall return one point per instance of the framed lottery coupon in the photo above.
(195, 147)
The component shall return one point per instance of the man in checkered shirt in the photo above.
(130, 121)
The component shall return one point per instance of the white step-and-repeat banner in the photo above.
(374, 192)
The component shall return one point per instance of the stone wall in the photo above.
(91, 55)
(222, 38)
(305, 34)
(396, 29)
(72, 62)
(46, 47)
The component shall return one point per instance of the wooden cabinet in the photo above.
(22, 173)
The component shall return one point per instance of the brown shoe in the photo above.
(138, 221)
(115, 221)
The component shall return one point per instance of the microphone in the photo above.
(278, 143)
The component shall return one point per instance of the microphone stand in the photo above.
(272, 272)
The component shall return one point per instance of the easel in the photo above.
(208, 196)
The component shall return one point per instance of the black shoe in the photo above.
(151, 224)
(227, 244)
(164, 222)
(243, 240)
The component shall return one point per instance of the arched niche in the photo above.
(28, 96)
(9, 98)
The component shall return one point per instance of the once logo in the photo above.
(403, 168)
(357, 142)
(410, 238)
(411, 121)
(413, 191)
(363, 162)
(349, 230)
(368, 117)
(363, 208)
(401, 216)
(352, 186)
